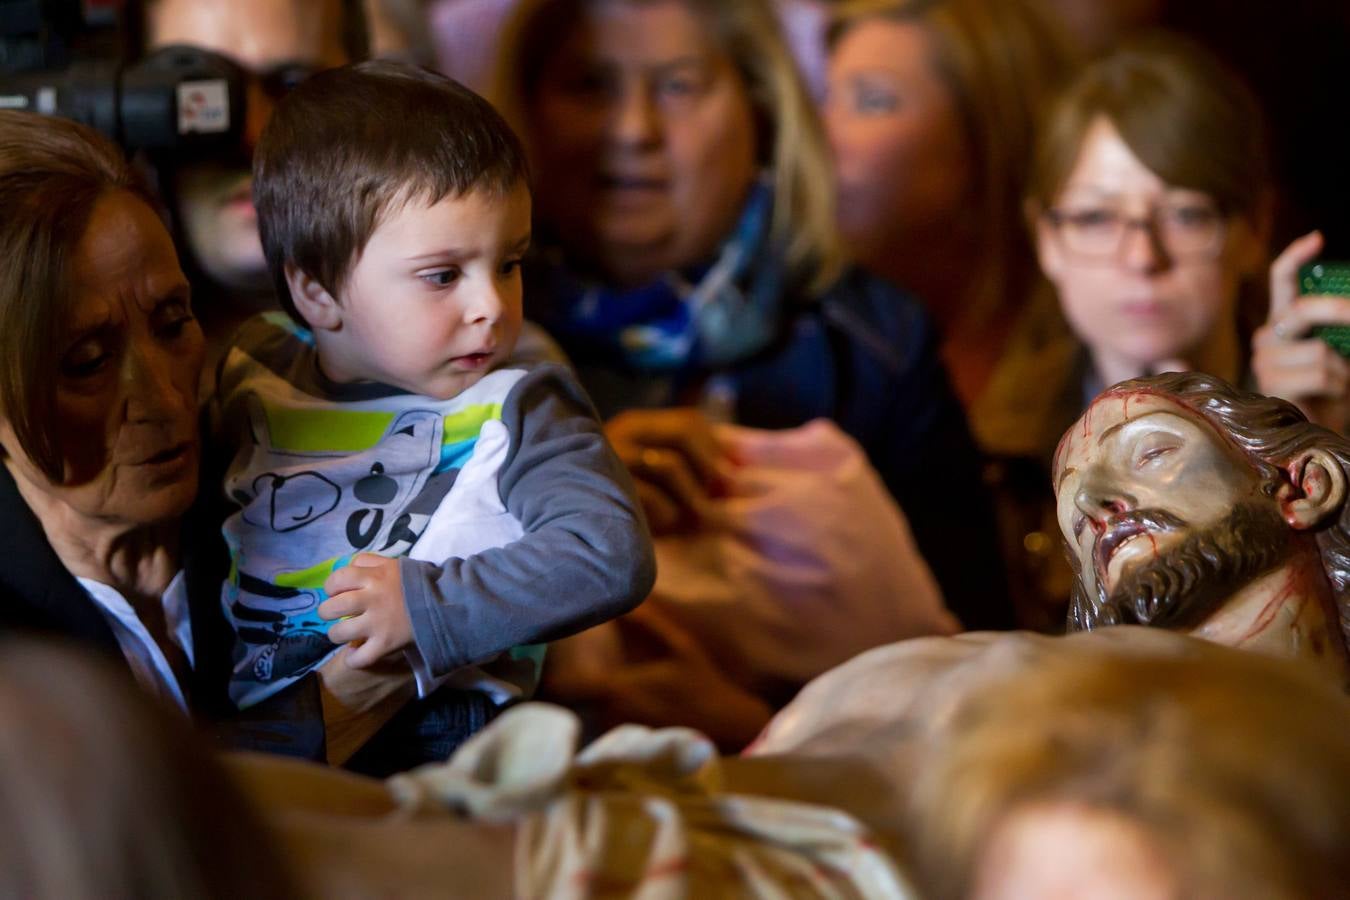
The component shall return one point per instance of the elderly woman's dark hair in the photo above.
(52, 172)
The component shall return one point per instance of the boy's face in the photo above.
(434, 301)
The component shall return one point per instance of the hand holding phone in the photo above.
(1302, 353)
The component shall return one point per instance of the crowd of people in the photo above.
(692, 322)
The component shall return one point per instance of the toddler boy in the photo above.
(401, 486)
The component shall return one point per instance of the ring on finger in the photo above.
(1282, 331)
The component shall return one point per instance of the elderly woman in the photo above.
(101, 447)
(689, 266)
(98, 411)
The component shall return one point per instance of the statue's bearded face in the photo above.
(1164, 518)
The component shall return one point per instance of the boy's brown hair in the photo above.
(351, 144)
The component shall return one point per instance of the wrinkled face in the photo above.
(1137, 476)
(434, 302)
(900, 157)
(276, 41)
(1146, 302)
(126, 386)
(644, 139)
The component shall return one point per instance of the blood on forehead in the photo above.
(1112, 407)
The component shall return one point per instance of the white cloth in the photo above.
(145, 657)
(642, 813)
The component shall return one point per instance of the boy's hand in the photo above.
(367, 595)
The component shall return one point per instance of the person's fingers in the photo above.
(1306, 353)
(344, 579)
(367, 653)
(1325, 375)
(348, 630)
(664, 516)
(1284, 271)
(685, 431)
(669, 471)
(367, 560)
(1319, 309)
(348, 603)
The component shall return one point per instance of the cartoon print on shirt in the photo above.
(272, 600)
(303, 497)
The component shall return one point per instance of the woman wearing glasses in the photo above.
(1149, 206)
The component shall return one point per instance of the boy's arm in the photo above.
(585, 556)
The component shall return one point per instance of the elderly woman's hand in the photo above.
(677, 462)
(1287, 361)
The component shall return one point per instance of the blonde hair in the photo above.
(1002, 61)
(792, 141)
(1238, 764)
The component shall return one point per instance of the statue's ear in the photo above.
(1318, 490)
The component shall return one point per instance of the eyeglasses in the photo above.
(1189, 230)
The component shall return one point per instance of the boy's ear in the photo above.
(316, 306)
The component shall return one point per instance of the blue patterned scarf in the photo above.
(704, 318)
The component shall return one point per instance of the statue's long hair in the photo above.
(1271, 433)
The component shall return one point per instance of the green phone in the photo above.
(1328, 278)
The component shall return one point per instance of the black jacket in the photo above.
(864, 355)
(39, 597)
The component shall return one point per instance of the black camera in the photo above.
(71, 58)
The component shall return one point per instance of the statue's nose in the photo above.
(1099, 499)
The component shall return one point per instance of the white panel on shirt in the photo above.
(470, 519)
(143, 655)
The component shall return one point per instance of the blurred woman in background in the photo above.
(687, 260)
(689, 266)
(931, 114)
(1149, 206)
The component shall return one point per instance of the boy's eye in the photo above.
(511, 266)
(440, 277)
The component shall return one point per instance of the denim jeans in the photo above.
(425, 730)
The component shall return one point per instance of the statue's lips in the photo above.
(1112, 540)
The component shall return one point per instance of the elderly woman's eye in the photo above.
(85, 360)
(172, 318)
